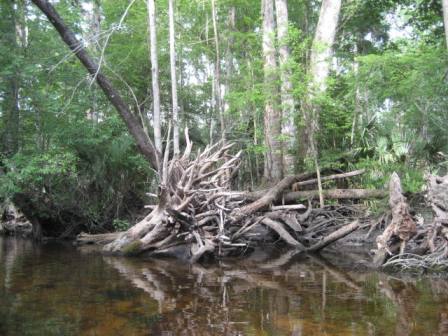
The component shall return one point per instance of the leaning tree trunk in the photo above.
(144, 144)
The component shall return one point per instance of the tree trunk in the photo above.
(15, 40)
(229, 63)
(144, 144)
(272, 117)
(287, 99)
(322, 48)
(445, 19)
(217, 77)
(175, 104)
(91, 36)
(320, 62)
(155, 74)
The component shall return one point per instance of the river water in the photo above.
(56, 289)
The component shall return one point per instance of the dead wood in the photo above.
(268, 198)
(98, 239)
(334, 236)
(402, 227)
(296, 186)
(278, 227)
(335, 194)
(197, 212)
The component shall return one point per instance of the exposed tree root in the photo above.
(401, 227)
(429, 245)
(198, 211)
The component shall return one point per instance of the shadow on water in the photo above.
(57, 290)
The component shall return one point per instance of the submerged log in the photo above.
(98, 239)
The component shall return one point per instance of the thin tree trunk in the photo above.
(92, 35)
(175, 104)
(17, 41)
(287, 99)
(445, 18)
(155, 74)
(229, 61)
(272, 117)
(218, 99)
(357, 109)
(145, 145)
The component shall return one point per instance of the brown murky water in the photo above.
(57, 290)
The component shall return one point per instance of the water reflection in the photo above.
(56, 290)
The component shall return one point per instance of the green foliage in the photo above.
(121, 225)
(74, 162)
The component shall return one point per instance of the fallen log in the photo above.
(335, 194)
(278, 227)
(98, 239)
(296, 186)
(293, 196)
(334, 236)
(268, 198)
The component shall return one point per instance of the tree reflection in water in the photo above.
(286, 295)
(56, 290)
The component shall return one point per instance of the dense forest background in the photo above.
(291, 89)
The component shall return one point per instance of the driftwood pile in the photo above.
(198, 211)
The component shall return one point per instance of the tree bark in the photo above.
(329, 193)
(286, 88)
(296, 186)
(11, 109)
(144, 144)
(155, 74)
(445, 19)
(175, 105)
(272, 116)
(229, 64)
(322, 48)
(269, 197)
(334, 236)
(217, 77)
(91, 36)
(320, 62)
(402, 225)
